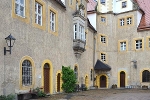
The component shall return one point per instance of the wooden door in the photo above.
(46, 78)
(58, 82)
(122, 79)
(103, 81)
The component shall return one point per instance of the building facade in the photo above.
(49, 34)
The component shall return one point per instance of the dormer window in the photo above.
(124, 4)
(102, 1)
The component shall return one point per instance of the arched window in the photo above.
(91, 74)
(145, 76)
(26, 73)
(76, 72)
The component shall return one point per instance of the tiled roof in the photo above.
(145, 20)
(91, 5)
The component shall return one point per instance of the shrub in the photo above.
(8, 97)
(69, 79)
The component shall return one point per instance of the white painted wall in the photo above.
(139, 16)
(92, 19)
(117, 6)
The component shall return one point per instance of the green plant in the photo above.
(69, 79)
(8, 97)
(39, 92)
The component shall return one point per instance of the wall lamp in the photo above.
(10, 40)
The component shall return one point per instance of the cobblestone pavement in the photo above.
(103, 94)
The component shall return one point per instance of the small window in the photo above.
(138, 44)
(129, 20)
(103, 57)
(102, 1)
(26, 73)
(103, 19)
(103, 39)
(20, 7)
(121, 22)
(124, 4)
(122, 46)
(38, 13)
(52, 21)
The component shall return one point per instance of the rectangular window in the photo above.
(124, 4)
(103, 19)
(102, 1)
(103, 39)
(38, 13)
(103, 57)
(52, 21)
(122, 46)
(129, 20)
(138, 44)
(75, 31)
(20, 7)
(121, 22)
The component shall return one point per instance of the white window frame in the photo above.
(103, 39)
(103, 57)
(52, 21)
(123, 46)
(18, 8)
(38, 14)
(129, 20)
(138, 44)
(122, 22)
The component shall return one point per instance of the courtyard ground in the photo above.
(103, 94)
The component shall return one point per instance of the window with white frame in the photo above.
(124, 4)
(103, 39)
(20, 7)
(26, 73)
(75, 31)
(52, 21)
(103, 57)
(122, 46)
(38, 13)
(103, 19)
(129, 20)
(121, 22)
(102, 1)
(138, 44)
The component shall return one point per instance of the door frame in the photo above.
(50, 75)
(119, 78)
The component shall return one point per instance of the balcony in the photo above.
(78, 46)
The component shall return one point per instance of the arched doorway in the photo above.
(103, 81)
(58, 82)
(46, 78)
(122, 79)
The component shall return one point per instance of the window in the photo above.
(129, 20)
(145, 76)
(138, 44)
(121, 22)
(26, 73)
(124, 4)
(103, 57)
(38, 13)
(103, 39)
(103, 19)
(20, 7)
(76, 72)
(122, 46)
(52, 21)
(102, 1)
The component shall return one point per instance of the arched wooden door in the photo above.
(58, 82)
(122, 79)
(103, 81)
(46, 78)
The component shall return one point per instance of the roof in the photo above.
(61, 3)
(101, 66)
(91, 5)
(145, 20)
(89, 24)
